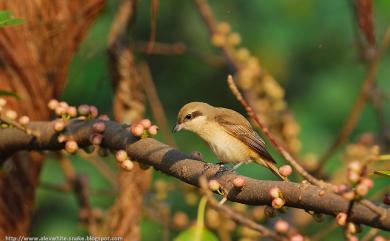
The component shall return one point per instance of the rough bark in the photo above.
(186, 168)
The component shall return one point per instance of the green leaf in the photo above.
(4, 15)
(8, 93)
(190, 234)
(6, 19)
(383, 173)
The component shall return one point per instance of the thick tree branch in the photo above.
(186, 168)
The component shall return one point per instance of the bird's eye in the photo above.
(188, 117)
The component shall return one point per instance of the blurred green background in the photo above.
(308, 46)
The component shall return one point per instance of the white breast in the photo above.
(227, 148)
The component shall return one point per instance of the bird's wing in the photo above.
(236, 125)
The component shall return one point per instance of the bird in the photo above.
(228, 133)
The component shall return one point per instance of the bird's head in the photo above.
(193, 116)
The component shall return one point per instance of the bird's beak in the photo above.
(177, 128)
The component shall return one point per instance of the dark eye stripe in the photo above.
(196, 113)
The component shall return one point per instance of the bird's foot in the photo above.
(221, 164)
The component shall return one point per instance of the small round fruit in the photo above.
(281, 226)
(341, 219)
(59, 125)
(274, 192)
(99, 127)
(127, 165)
(83, 110)
(94, 111)
(214, 185)
(137, 130)
(24, 120)
(121, 156)
(11, 114)
(278, 203)
(239, 182)
(53, 104)
(153, 130)
(285, 170)
(71, 146)
(146, 123)
(72, 111)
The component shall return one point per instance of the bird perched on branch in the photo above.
(228, 133)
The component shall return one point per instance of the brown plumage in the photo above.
(228, 133)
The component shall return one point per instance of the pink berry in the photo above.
(72, 111)
(349, 195)
(137, 129)
(355, 166)
(285, 170)
(83, 110)
(239, 182)
(60, 110)
(11, 114)
(153, 130)
(278, 203)
(352, 228)
(353, 177)
(3, 102)
(361, 189)
(63, 104)
(342, 188)
(104, 118)
(127, 165)
(281, 226)
(96, 139)
(59, 125)
(146, 123)
(62, 138)
(379, 238)
(274, 192)
(99, 127)
(24, 120)
(341, 219)
(53, 104)
(353, 238)
(71, 146)
(368, 182)
(94, 111)
(214, 185)
(297, 237)
(121, 156)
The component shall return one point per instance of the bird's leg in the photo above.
(237, 165)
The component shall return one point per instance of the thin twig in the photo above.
(361, 99)
(17, 125)
(370, 234)
(184, 167)
(102, 167)
(324, 231)
(153, 24)
(155, 103)
(286, 155)
(68, 188)
(160, 48)
(80, 188)
(235, 216)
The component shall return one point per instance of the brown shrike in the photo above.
(228, 133)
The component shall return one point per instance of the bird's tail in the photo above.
(272, 167)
